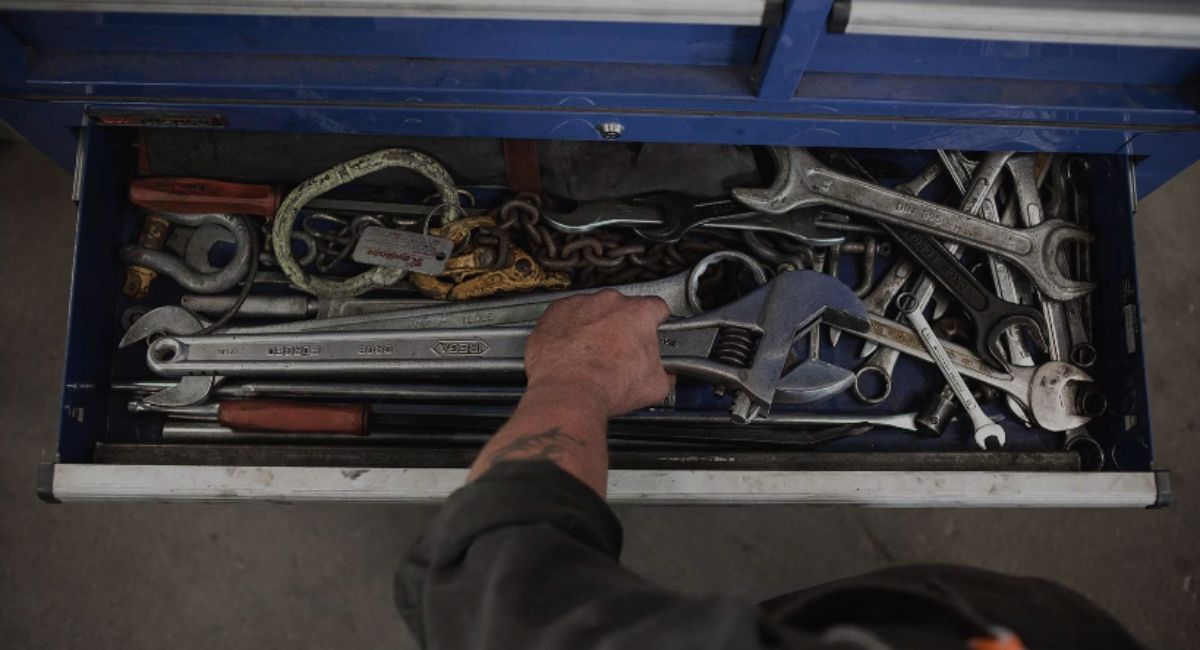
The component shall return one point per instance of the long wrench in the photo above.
(679, 291)
(882, 295)
(882, 362)
(1029, 207)
(760, 327)
(802, 181)
(984, 426)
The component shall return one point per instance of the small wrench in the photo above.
(803, 181)
(984, 426)
(1052, 393)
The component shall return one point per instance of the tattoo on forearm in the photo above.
(551, 444)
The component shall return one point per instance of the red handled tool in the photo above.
(204, 195)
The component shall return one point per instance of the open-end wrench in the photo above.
(985, 428)
(1082, 351)
(894, 280)
(958, 166)
(961, 168)
(992, 316)
(802, 181)
(1054, 393)
(1029, 207)
(882, 362)
(745, 346)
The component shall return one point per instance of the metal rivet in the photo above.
(610, 130)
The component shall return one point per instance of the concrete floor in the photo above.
(258, 576)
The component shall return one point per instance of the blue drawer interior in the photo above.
(92, 414)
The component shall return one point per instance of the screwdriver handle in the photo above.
(293, 417)
(204, 195)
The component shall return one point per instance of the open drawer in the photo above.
(105, 452)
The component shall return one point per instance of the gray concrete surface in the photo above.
(186, 576)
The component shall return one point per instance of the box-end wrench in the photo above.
(984, 427)
(1057, 395)
(802, 181)
(745, 346)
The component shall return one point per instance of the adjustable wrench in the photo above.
(803, 181)
(744, 346)
(984, 426)
(1052, 393)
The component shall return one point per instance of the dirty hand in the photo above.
(602, 345)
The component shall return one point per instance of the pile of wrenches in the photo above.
(1029, 340)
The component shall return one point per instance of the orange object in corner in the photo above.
(1001, 640)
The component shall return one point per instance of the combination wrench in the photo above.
(745, 346)
(802, 181)
(985, 428)
(679, 291)
(1057, 395)
(1029, 206)
(992, 316)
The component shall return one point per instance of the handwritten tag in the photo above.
(401, 249)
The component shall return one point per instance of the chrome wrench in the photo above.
(768, 321)
(802, 181)
(985, 428)
(894, 280)
(1029, 207)
(1052, 392)
(882, 362)
(679, 291)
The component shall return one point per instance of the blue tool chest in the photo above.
(264, 97)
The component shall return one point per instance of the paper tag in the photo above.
(402, 249)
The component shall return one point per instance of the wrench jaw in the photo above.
(991, 343)
(1054, 283)
(169, 320)
(1055, 396)
(779, 313)
(987, 432)
(192, 389)
(788, 191)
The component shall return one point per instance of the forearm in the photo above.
(564, 424)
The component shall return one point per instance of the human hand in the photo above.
(602, 346)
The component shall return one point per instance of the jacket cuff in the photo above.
(518, 493)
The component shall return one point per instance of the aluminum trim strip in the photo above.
(694, 12)
(82, 482)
